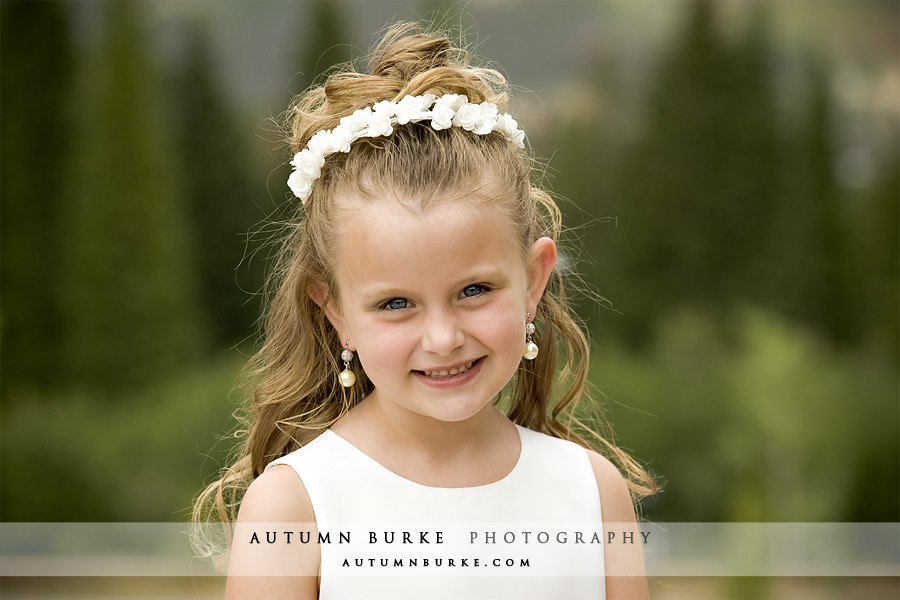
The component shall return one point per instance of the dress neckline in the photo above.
(523, 448)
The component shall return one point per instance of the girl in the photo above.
(409, 369)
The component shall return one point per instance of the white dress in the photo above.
(545, 512)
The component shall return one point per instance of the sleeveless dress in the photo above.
(414, 541)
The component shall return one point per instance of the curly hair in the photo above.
(293, 386)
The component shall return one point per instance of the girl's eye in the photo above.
(396, 304)
(473, 290)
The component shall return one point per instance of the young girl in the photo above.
(408, 376)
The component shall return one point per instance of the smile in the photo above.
(449, 372)
(449, 377)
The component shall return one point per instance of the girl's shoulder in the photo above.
(277, 495)
(614, 495)
(277, 498)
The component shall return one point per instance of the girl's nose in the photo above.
(442, 333)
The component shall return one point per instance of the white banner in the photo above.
(465, 549)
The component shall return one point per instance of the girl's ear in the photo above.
(542, 259)
(319, 293)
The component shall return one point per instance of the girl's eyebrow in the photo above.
(375, 291)
(484, 275)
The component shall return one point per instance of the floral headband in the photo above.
(379, 120)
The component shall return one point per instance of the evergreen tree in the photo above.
(35, 81)
(672, 181)
(324, 45)
(579, 174)
(128, 289)
(751, 170)
(217, 181)
(814, 245)
(698, 191)
(882, 258)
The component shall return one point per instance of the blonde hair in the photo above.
(295, 391)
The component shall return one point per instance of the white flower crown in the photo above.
(379, 120)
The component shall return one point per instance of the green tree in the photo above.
(882, 258)
(220, 195)
(35, 80)
(324, 45)
(696, 189)
(579, 174)
(751, 178)
(128, 290)
(698, 192)
(814, 244)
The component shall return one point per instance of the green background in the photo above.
(728, 171)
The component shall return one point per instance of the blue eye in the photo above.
(473, 290)
(396, 304)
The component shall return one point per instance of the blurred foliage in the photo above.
(710, 125)
(127, 286)
(140, 457)
(755, 302)
(219, 190)
(762, 423)
(325, 44)
(719, 201)
(754, 362)
(322, 46)
(34, 141)
(880, 270)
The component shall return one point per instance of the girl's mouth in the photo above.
(449, 372)
(450, 378)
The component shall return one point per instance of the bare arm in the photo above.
(624, 562)
(276, 502)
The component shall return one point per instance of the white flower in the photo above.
(452, 101)
(300, 185)
(379, 124)
(379, 120)
(340, 139)
(411, 108)
(510, 129)
(484, 124)
(477, 118)
(385, 108)
(506, 125)
(320, 143)
(327, 142)
(467, 116)
(518, 138)
(442, 117)
(358, 120)
(308, 163)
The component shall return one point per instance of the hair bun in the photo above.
(408, 61)
(402, 56)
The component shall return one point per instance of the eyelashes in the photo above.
(474, 290)
(395, 304)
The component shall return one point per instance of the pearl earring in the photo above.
(531, 349)
(347, 376)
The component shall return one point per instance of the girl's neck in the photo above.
(389, 433)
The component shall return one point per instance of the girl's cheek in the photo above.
(501, 327)
(392, 342)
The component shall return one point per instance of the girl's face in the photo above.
(435, 303)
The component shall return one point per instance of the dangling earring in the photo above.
(347, 376)
(531, 349)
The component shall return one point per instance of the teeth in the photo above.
(451, 372)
